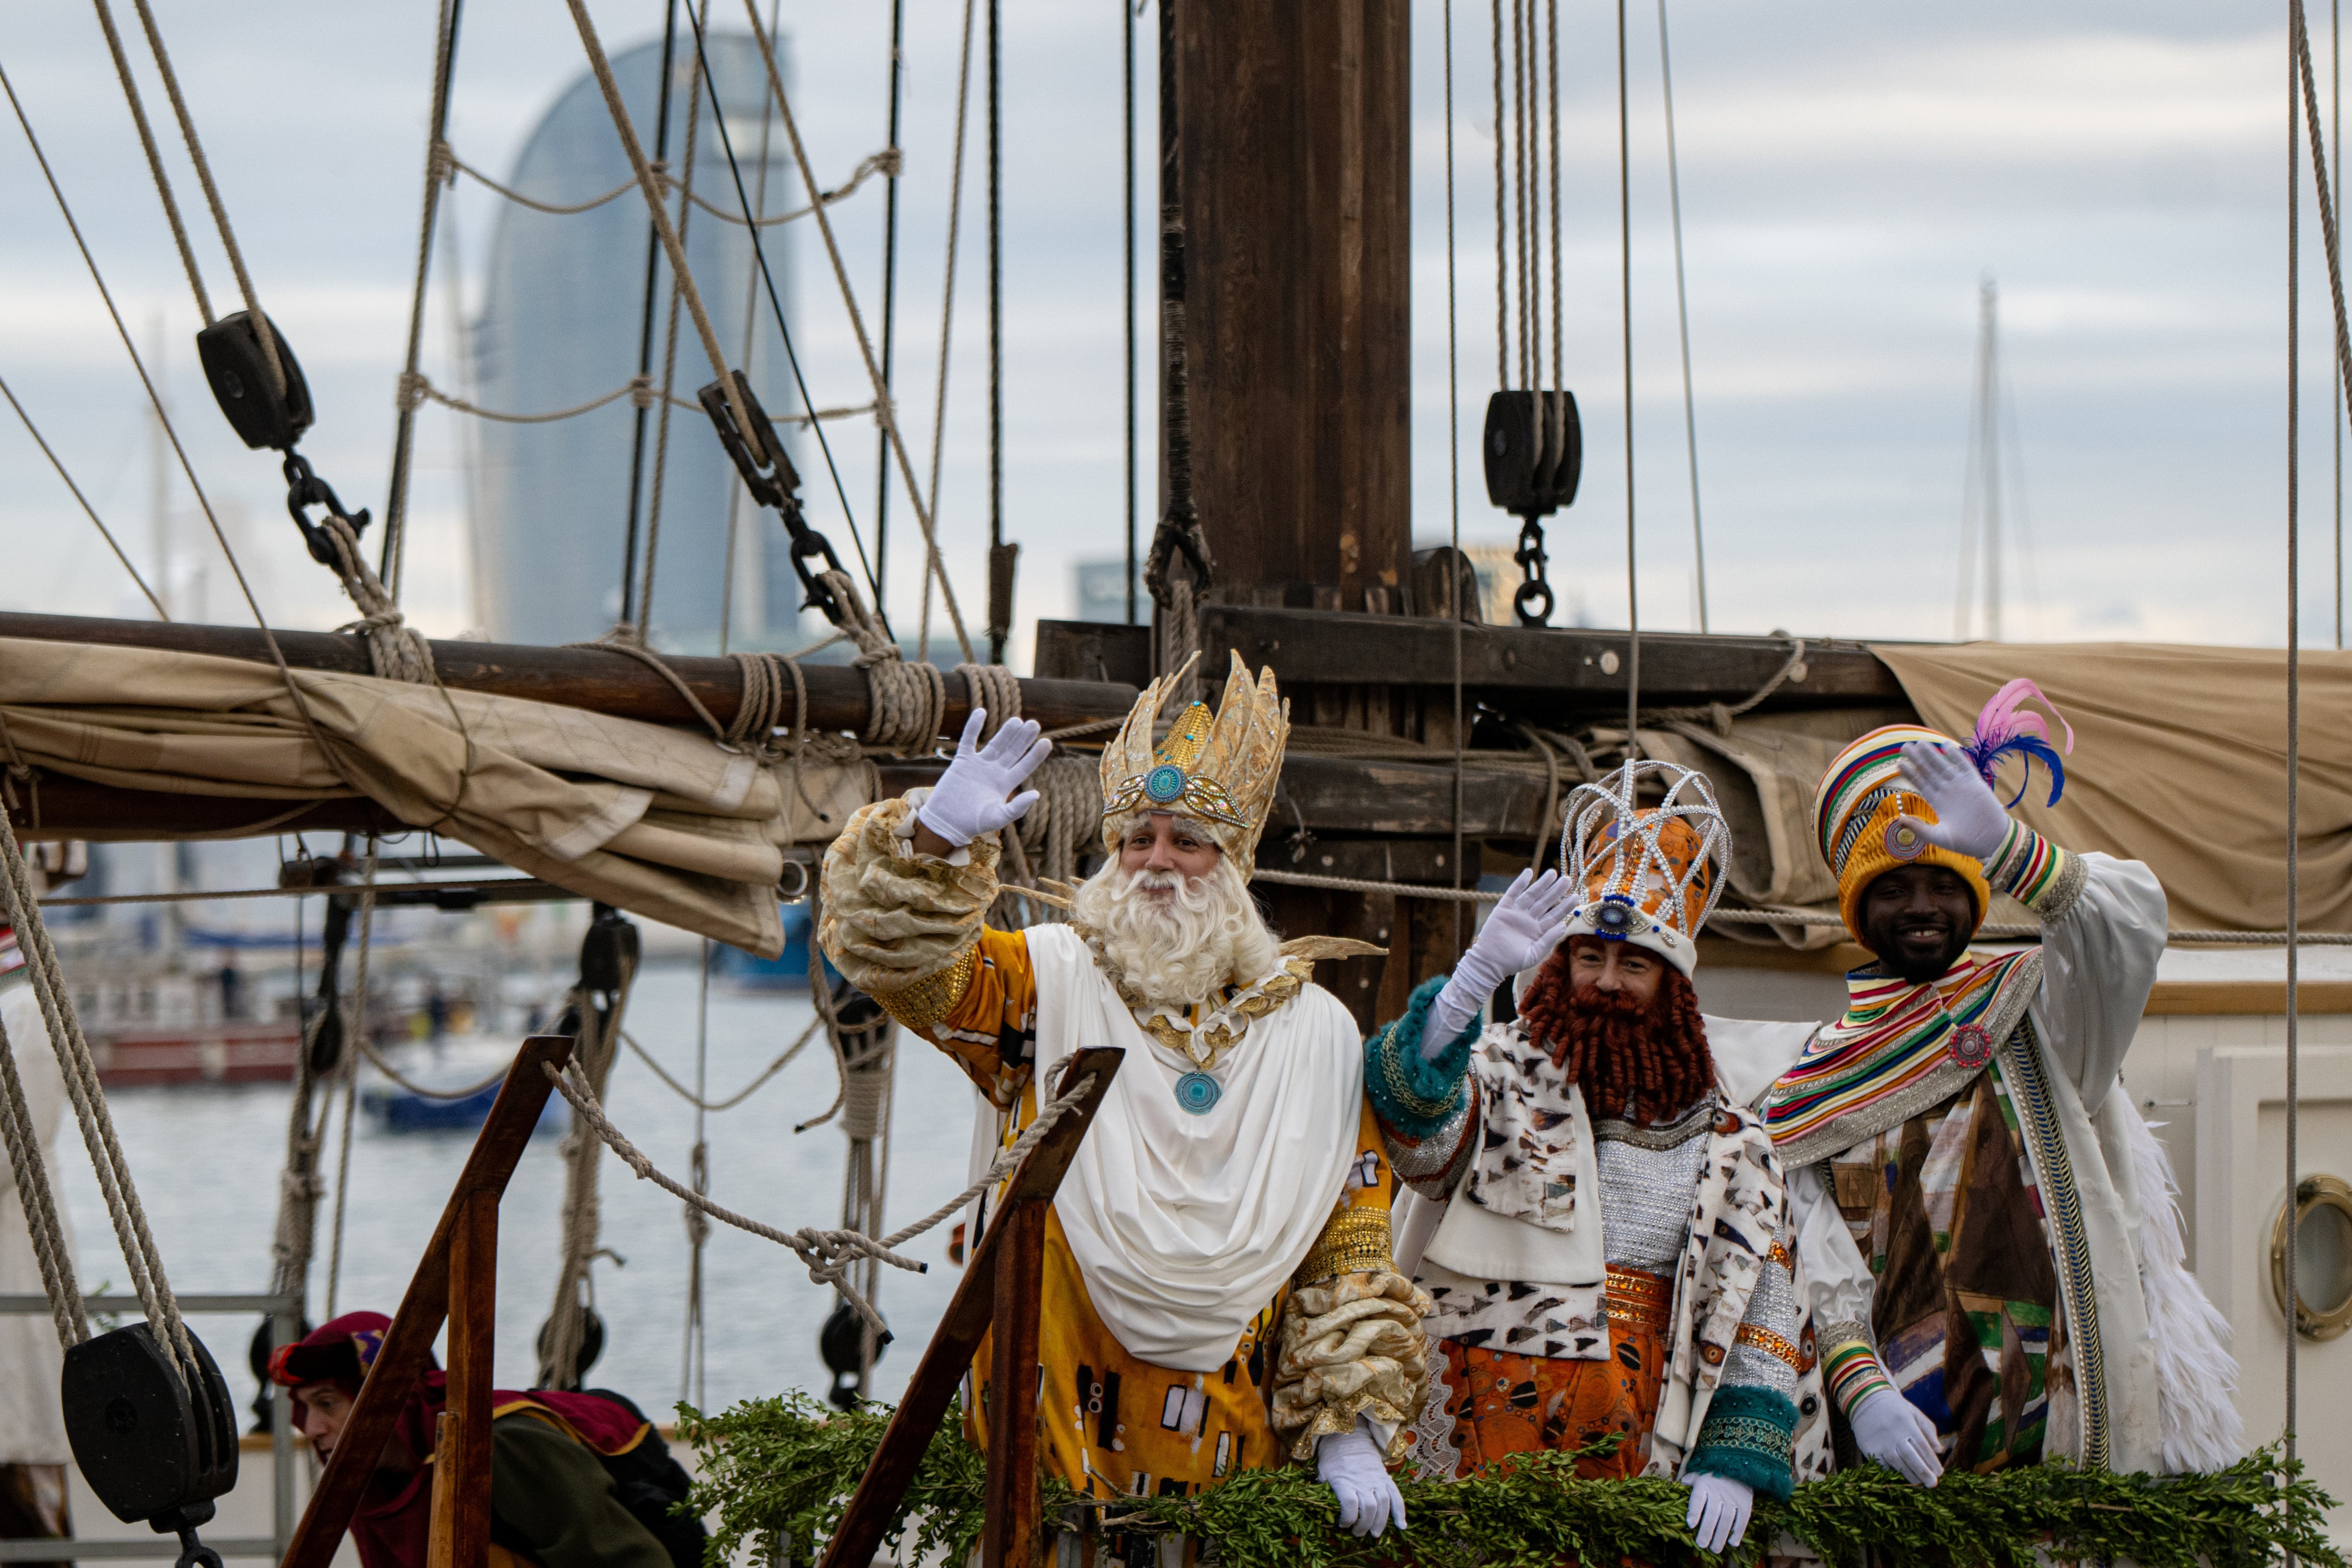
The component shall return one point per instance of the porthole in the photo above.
(2323, 1257)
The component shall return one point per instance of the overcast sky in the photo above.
(1849, 173)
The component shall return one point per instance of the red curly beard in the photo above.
(1645, 1061)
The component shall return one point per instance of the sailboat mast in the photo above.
(1989, 426)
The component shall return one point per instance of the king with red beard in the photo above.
(1603, 1227)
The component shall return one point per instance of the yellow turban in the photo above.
(1854, 813)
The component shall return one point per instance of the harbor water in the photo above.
(207, 1162)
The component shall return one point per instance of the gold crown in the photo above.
(1220, 772)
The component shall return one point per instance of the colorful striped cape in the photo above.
(1888, 1058)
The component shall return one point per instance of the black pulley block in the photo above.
(238, 370)
(842, 1343)
(592, 1344)
(1534, 451)
(150, 1447)
(607, 950)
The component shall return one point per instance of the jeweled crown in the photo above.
(1220, 770)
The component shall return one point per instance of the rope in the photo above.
(829, 1254)
(1682, 310)
(1720, 714)
(446, 164)
(904, 701)
(395, 511)
(171, 432)
(154, 159)
(38, 1202)
(414, 388)
(91, 511)
(669, 355)
(1625, 317)
(656, 204)
(1502, 264)
(883, 411)
(582, 1221)
(888, 163)
(947, 329)
(696, 1100)
(995, 688)
(140, 1255)
(397, 651)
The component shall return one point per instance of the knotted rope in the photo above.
(829, 1254)
(995, 688)
(397, 651)
(905, 702)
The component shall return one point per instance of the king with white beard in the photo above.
(1218, 1290)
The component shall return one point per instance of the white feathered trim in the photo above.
(2196, 1376)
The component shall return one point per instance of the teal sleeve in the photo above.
(1748, 1438)
(555, 1494)
(1412, 1095)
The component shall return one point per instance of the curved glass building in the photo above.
(560, 325)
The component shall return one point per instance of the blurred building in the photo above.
(1101, 590)
(560, 325)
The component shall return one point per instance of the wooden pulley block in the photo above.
(1534, 451)
(151, 1446)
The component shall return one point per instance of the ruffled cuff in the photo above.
(2036, 872)
(1353, 1345)
(1852, 1373)
(1748, 1438)
(900, 925)
(1412, 1095)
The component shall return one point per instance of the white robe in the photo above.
(1183, 1226)
(2098, 962)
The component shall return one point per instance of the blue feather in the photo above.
(2031, 747)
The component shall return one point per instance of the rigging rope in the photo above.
(395, 508)
(829, 1254)
(695, 1098)
(137, 1241)
(598, 1035)
(171, 432)
(947, 333)
(1682, 309)
(883, 410)
(91, 512)
(261, 328)
(1625, 317)
(669, 350)
(131, 96)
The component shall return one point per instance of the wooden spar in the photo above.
(874, 1507)
(455, 1279)
(597, 678)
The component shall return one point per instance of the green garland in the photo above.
(785, 1467)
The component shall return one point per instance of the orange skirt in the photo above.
(1502, 1404)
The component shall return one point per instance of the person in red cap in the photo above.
(577, 1480)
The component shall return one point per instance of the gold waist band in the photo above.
(1640, 1300)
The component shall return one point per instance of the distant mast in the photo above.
(1981, 486)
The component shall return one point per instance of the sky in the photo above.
(1850, 172)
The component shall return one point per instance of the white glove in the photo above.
(1897, 1434)
(1718, 1511)
(969, 800)
(1524, 928)
(1970, 820)
(1349, 1464)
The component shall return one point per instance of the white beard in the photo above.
(1173, 942)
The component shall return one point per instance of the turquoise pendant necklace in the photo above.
(1198, 1092)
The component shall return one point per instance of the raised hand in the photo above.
(1526, 924)
(969, 800)
(1970, 820)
